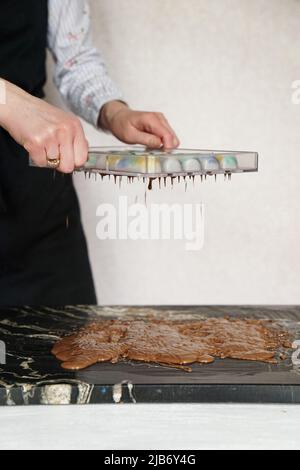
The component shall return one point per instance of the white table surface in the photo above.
(122, 427)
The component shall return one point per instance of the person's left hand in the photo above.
(137, 127)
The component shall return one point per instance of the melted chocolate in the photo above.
(150, 184)
(174, 343)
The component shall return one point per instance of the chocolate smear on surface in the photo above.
(172, 342)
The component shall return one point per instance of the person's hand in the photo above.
(137, 127)
(43, 130)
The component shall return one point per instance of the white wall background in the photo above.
(221, 70)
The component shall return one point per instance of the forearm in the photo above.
(108, 112)
(46, 132)
(80, 74)
(15, 100)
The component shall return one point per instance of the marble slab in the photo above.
(31, 375)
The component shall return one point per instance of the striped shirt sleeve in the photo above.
(80, 72)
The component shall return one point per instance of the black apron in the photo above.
(43, 251)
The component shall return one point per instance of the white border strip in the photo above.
(2, 92)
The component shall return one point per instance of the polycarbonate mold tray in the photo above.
(137, 161)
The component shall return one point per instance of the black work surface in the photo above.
(32, 375)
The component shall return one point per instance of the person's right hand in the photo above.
(43, 130)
